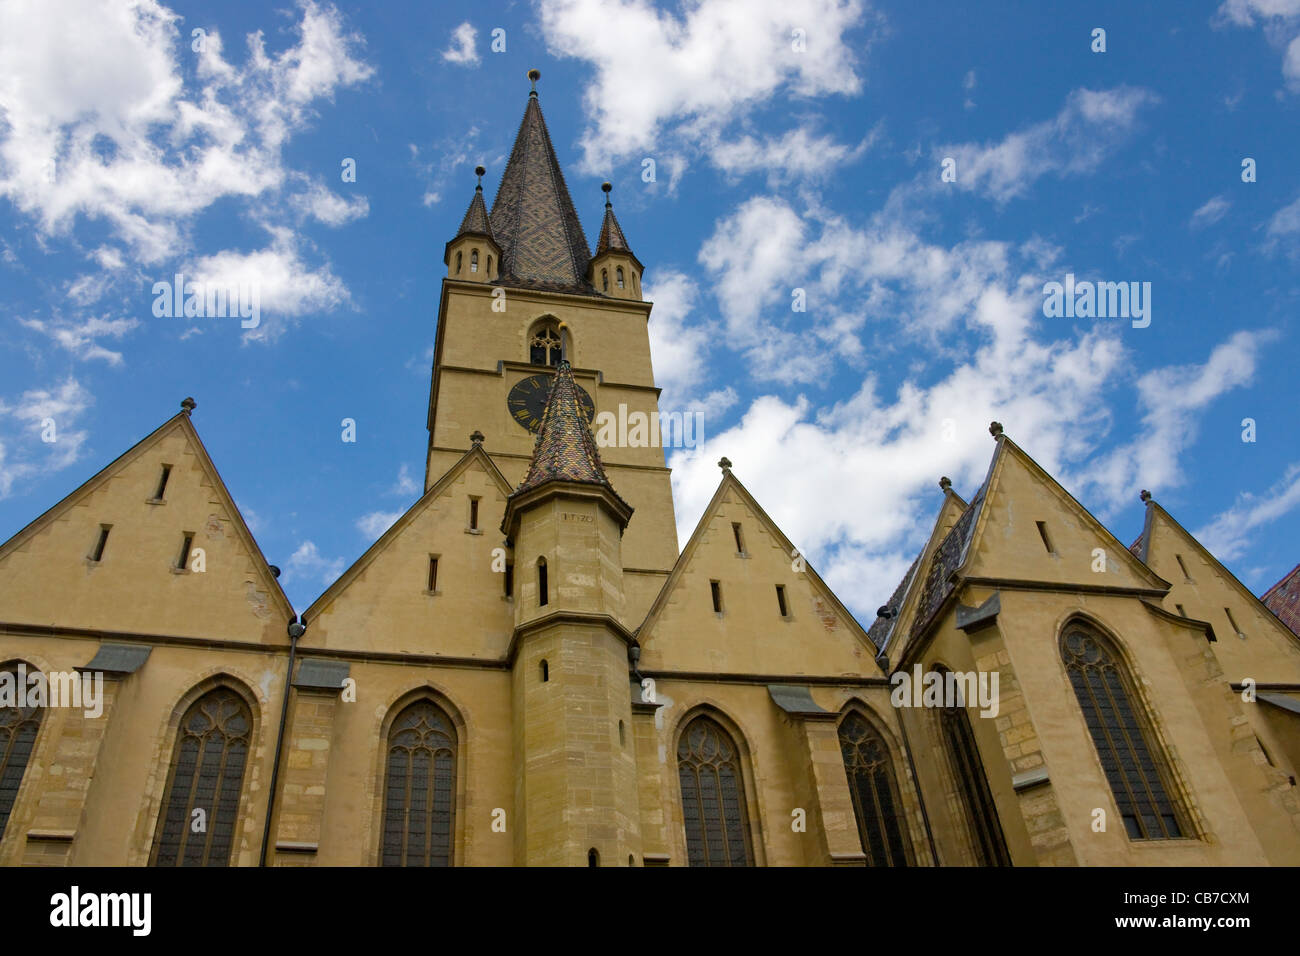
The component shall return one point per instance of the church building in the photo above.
(526, 669)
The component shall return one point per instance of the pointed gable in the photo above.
(228, 592)
(533, 219)
(818, 635)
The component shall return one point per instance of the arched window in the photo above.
(593, 857)
(876, 802)
(543, 592)
(972, 785)
(473, 260)
(205, 782)
(489, 268)
(1131, 757)
(713, 796)
(618, 277)
(18, 727)
(420, 787)
(459, 257)
(546, 347)
(604, 280)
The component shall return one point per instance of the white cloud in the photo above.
(375, 523)
(1286, 221)
(798, 154)
(406, 484)
(462, 51)
(1090, 126)
(81, 337)
(101, 125)
(40, 414)
(1231, 532)
(1214, 209)
(656, 72)
(329, 207)
(1278, 18)
(309, 564)
(679, 346)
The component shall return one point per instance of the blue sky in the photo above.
(127, 156)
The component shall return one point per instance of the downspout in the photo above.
(296, 630)
(920, 796)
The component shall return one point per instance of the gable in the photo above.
(683, 632)
(383, 602)
(47, 571)
(1029, 528)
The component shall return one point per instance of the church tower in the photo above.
(523, 293)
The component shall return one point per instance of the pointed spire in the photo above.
(565, 449)
(476, 217)
(611, 234)
(533, 219)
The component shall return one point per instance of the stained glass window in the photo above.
(876, 802)
(713, 796)
(419, 788)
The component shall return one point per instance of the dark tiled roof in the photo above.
(1283, 599)
(1136, 548)
(565, 449)
(611, 234)
(533, 219)
(882, 626)
(946, 559)
(476, 218)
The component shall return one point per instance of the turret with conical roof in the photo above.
(614, 270)
(474, 253)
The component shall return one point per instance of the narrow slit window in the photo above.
(433, 572)
(739, 536)
(473, 261)
(716, 589)
(98, 553)
(622, 735)
(546, 671)
(459, 257)
(593, 858)
(489, 267)
(604, 280)
(1233, 622)
(780, 600)
(510, 579)
(183, 559)
(473, 514)
(543, 594)
(618, 276)
(1042, 533)
(1182, 567)
(162, 482)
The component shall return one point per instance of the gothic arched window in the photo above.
(18, 727)
(604, 280)
(876, 803)
(473, 261)
(546, 347)
(972, 785)
(1131, 757)
(419, 788)
(618, 277)
(201, 803)
(713, 796)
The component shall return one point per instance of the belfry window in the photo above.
(547, 346)
(618, 277)
(1131, 757)
(473, 261)
(604, 280)
(459, 257)
(207, 774)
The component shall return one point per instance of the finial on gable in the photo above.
(479, 171)
(476, 437)
(188, 405)
(725, 465)
(534, 76)
(606, 187)
(995, 429)
(1145, 496)
(945, 483)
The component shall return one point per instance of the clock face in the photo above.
(527, 401)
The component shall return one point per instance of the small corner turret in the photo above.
(614, 270)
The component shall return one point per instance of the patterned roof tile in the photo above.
(1283, 599)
